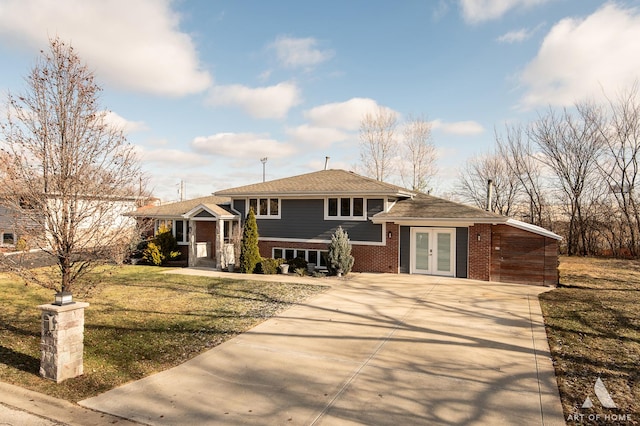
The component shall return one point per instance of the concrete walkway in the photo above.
(374, 349)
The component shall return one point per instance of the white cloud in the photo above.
(260, 102)
(515, 36)
(461, 128)
(343, 115)
(475, 11)
(241, 145)
(581, 58)
(299, 52)
(312, 136)
(133, 45)
(125, 125)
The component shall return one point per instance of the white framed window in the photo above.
(8, 238)
(265, 208)
(179, 229)
(319, 257)
(345, 208)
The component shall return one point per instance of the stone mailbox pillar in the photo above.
(62, 341)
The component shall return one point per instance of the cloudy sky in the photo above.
(205, 89)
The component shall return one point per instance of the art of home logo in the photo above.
(605, 400)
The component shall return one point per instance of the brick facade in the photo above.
(368, 258)
(480, 252)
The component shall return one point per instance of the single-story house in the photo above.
(391, 229)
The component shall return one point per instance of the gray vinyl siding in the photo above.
(462, 252)
(304, 219)
(5, 219)
(239, 205)
(405, 248)
(204, 214)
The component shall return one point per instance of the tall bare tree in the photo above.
(519, 157)
(418, 154)
(69, 170)
(473, 184)
(378, 143)
(620, 166)
(571, 144)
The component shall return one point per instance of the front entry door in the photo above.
(433, 251)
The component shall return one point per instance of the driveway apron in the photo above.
(375, 349)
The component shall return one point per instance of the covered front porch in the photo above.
(211, 235)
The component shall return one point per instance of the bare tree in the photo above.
(70, 173)
(571, 145)
(417, 165)
(378, 143)
(620, 168)
(519, 157)
(472, 185)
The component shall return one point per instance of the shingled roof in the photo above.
(426, 206)
(221, 206)
(323, 183)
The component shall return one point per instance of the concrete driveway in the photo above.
(376, 349)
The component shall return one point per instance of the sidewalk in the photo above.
(19, 406)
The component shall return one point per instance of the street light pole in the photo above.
(264, 162)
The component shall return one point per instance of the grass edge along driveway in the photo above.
(593, 328)
(140, 321)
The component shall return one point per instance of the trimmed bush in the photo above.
(269, 266)
(298, 262)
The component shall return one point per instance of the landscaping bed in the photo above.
(593, 327)
(140, 321)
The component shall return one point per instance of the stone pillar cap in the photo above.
(64, 308)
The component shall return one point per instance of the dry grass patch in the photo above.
(140, 321)
(593, 326)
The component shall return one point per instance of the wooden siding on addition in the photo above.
(523, 257)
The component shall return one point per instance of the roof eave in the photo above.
(318, 194)
(485, 220)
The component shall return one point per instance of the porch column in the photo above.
(192, 243)
(219, 242)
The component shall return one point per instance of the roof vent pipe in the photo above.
(326, 162)
(489, 194)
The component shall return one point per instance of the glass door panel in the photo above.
(422, 251)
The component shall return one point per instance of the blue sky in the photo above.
(206, 88)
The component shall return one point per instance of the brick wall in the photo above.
(367, 258)
(379, 258)
(479, 252)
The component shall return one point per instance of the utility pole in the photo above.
(264, 162)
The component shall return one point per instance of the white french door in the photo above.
(433, 251)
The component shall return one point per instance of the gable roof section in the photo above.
(322, 183)
(218, 206)
(425, 207)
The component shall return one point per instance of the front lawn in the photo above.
(593, 327)
(140, 321)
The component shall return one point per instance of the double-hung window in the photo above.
(349, 208)
(265, 207)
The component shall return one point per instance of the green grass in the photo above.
(140, 321)
(593, 327)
